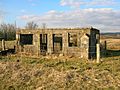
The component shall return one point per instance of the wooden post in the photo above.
(98, 53)
(105, 48)
(105, 43)
(3, 44)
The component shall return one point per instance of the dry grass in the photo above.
(112, 44)
(45, 74)
(24, 73)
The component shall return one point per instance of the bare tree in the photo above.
(31, 25)
(44, 25)
(8, 31)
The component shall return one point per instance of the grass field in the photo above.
(25, 73)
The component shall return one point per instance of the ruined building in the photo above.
(80, 42)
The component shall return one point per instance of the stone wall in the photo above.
(85, 43)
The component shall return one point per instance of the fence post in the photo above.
(98, 53)
(3, 44)
(105, 43)
(105, 48)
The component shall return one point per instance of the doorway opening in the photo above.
(43, 43)
(57, 43)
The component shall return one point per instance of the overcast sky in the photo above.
(101, 14)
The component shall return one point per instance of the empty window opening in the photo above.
(97, 38)
(26, 39)
(72, 39)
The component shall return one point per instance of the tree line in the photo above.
(8, 31)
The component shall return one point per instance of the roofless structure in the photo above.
(79, 42)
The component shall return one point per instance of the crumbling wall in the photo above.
(27, 47)
(94, 39)
(76, 42)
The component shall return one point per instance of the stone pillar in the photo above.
(36, 43)
(65, 42)
(18, 39)
(50, 43)
(98, 52)
(17, 43)
(85, 46)
(3, 44)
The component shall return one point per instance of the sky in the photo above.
(101, 14)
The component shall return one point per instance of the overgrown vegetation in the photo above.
(31, 25)
(8, 31)
(63, 73)
(23, 73)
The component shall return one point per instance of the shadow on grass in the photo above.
(111, 53)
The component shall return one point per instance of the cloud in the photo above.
(103, 18)
(103, 2)
(78, 3)
(72, 3)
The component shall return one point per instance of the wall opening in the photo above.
(57, 43)
(97, 38)
(43, 43)
(26, 39)
(72, 39)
